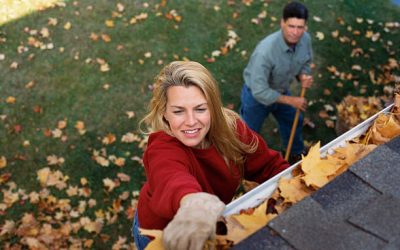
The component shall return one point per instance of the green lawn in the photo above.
(93, 61)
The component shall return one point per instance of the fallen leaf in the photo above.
(11, 100)
(3, 162)
(320, 35)
(317, 19)
(109, 184)
(109, 23)
(109, 139)
(67, 26)
(54, 160)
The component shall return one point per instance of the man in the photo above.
(276, 61)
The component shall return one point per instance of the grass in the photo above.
(69, 86)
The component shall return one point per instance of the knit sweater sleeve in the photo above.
(264, 163)
(169, 177)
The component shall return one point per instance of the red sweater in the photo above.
(174, 170)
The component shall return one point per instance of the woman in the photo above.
(197, 154)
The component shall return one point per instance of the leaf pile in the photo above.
(359, 75)
(353, 110)
(385, 127)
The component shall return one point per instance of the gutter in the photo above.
(263, 191)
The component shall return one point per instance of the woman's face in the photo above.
(188, 114)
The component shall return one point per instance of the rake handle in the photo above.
(292, 133)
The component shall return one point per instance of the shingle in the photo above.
(343, 195)
(393, 245)
(307, 226)
(360, 209)
(381, 217)
(265, 239)
(381, 169)
(394, 144)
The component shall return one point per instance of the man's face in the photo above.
(292, 29)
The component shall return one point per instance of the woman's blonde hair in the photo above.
(222, 132)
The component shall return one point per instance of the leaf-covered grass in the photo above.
(53, 66)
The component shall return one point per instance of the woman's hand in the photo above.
(194, 223)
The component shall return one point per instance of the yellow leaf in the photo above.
(316, 170)
(67, 26)
(104, 67)
(391, 128)
(3, 162)
(312, 158)
(156, 243)
(293, 190)
(43, 175)
(240, 226)
(109, 23)
(133, 20)
(322, 173)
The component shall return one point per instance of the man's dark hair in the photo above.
(295, 9)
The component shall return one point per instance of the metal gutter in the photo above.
(262, 192)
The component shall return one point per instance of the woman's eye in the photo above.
(201, 110)
(177, 112)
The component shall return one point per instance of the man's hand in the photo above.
(194, 223)
(306, 80)
(296, 102)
